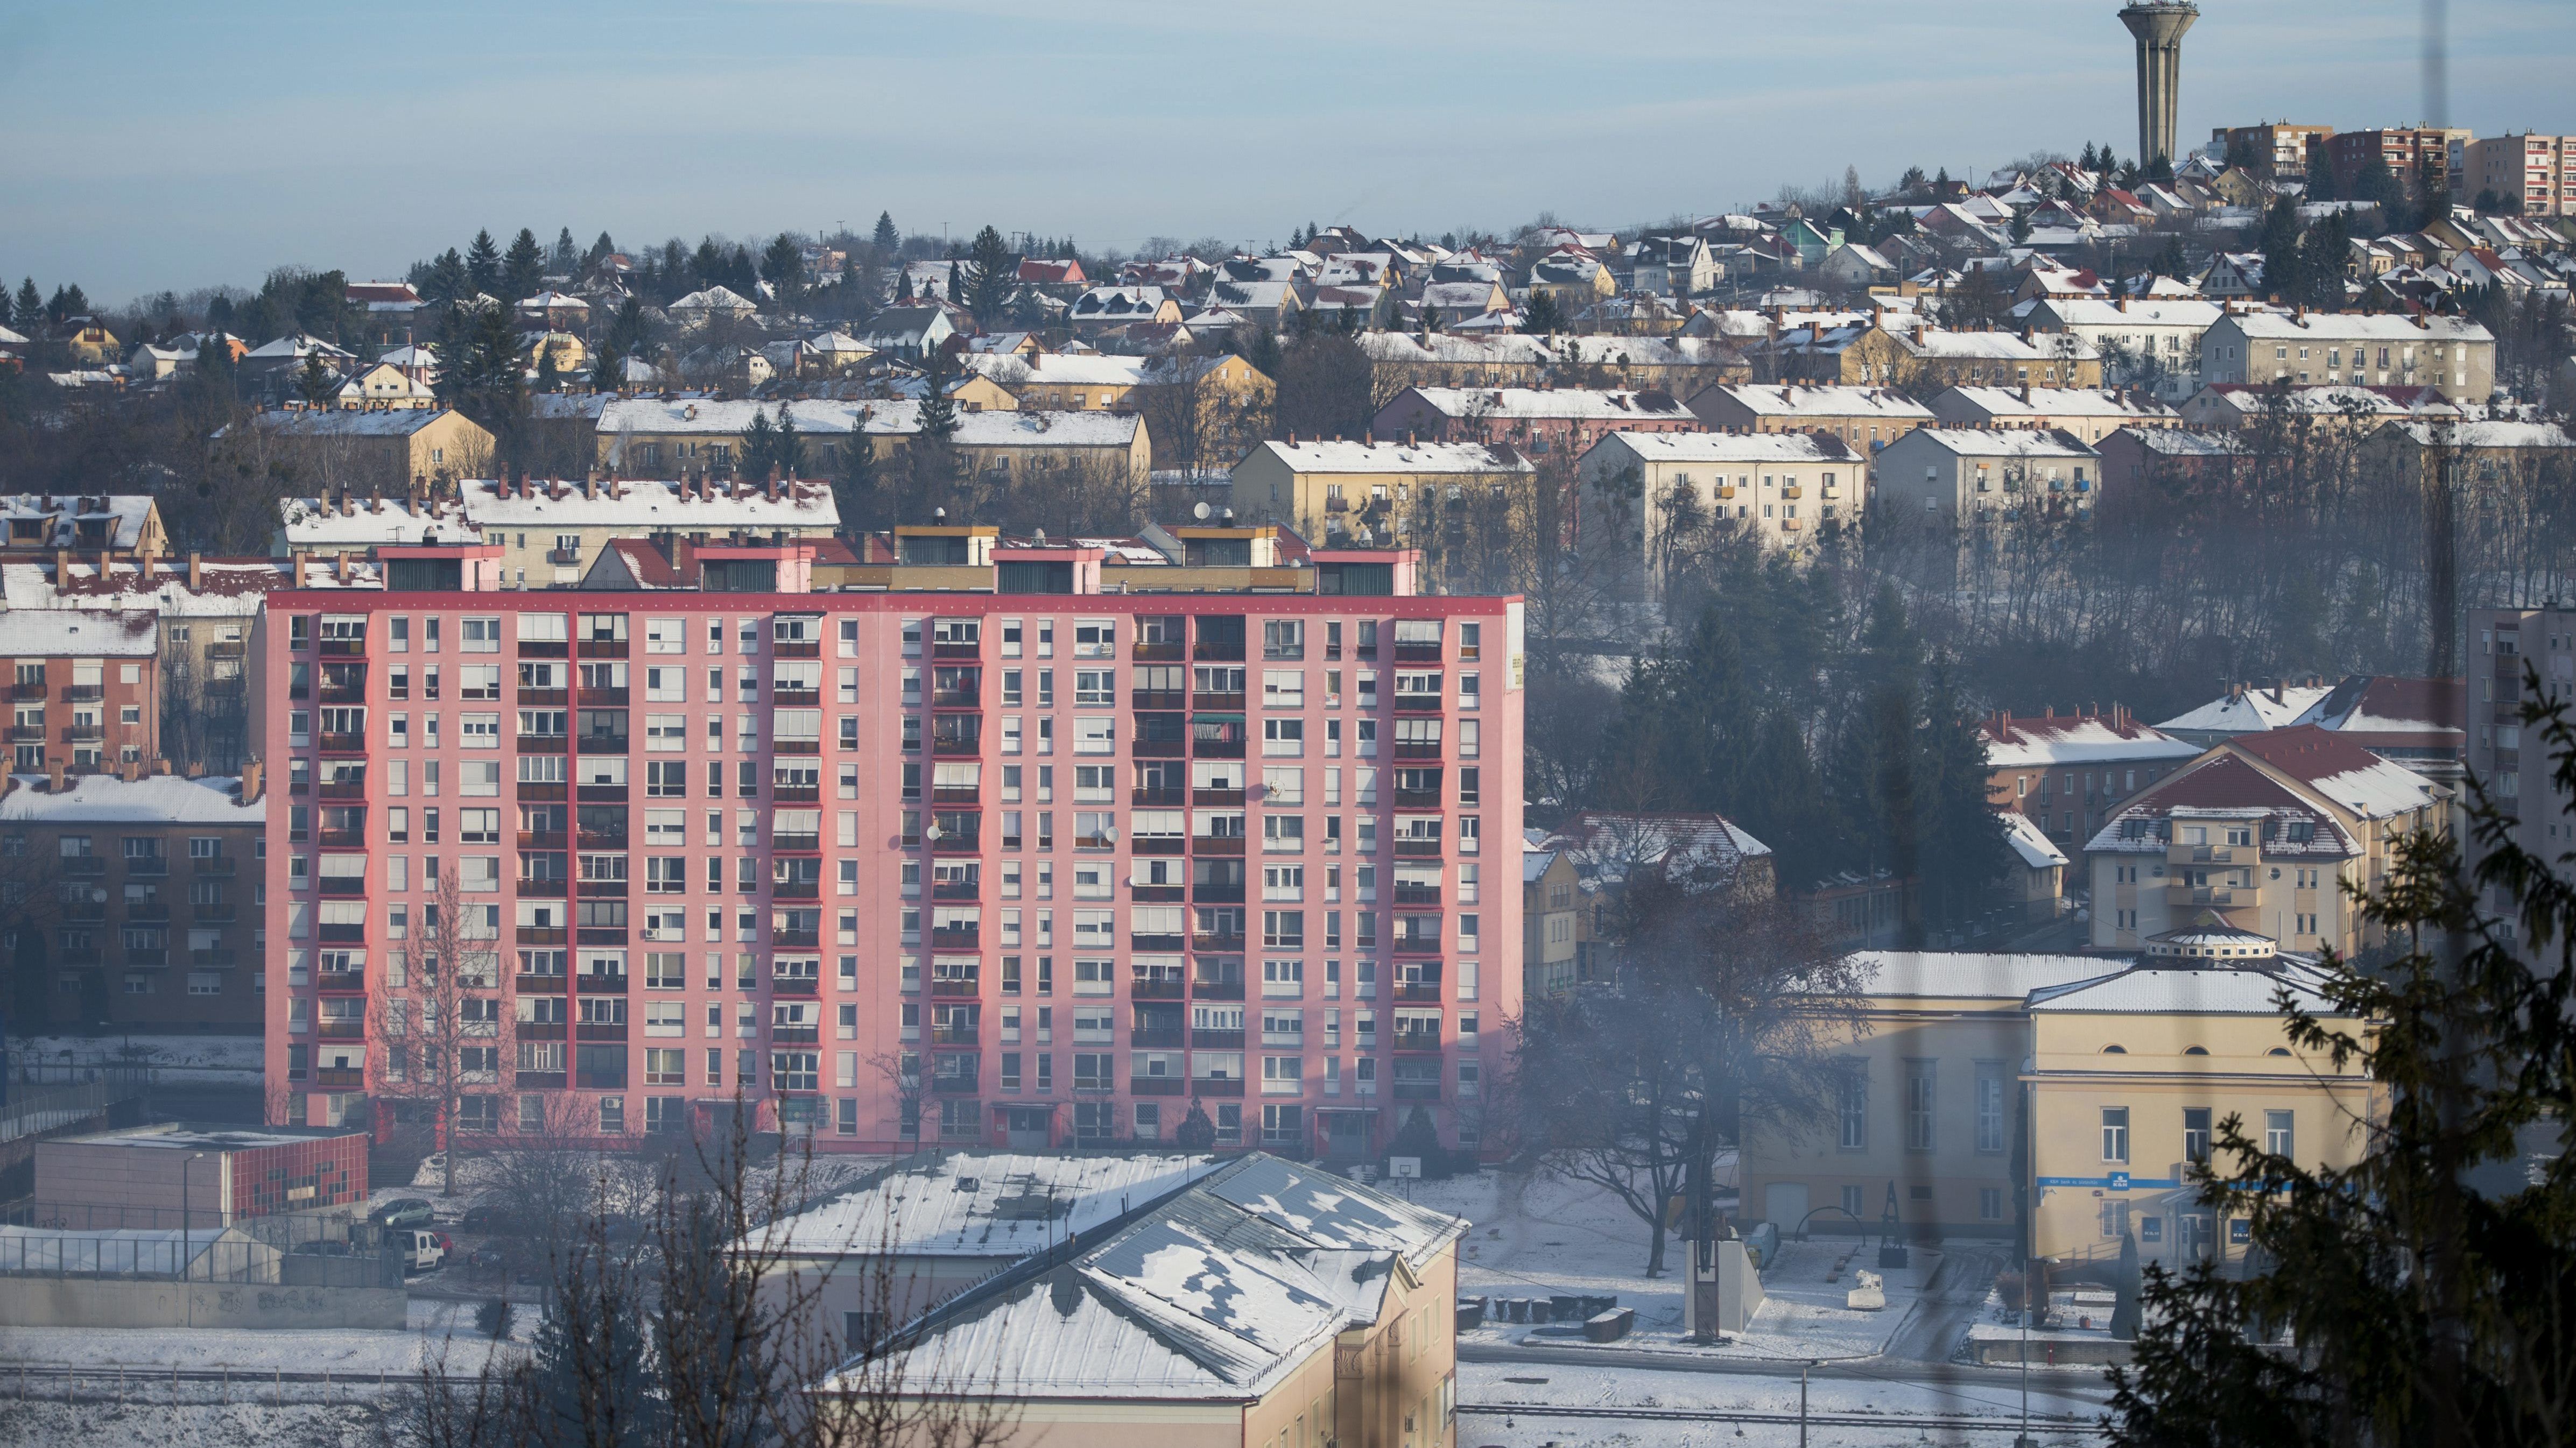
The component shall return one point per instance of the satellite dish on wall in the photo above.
(1200, 512)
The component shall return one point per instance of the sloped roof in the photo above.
(2020, 741)
(1734, 447)
(2164, 990)
(126, 511)
(153, 799)
(1791, 400)
(1395, 457)
(85, 633)
(985, 1204)
(2248, 710)
(649, 504)
(1583, 403)
(1965, 975)
(2030, 842)
(2340, 769)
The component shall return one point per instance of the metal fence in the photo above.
(304, 1249)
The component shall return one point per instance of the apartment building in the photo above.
(149, 892)
(1964, 475)
(2452, 355)
(2149, 343)
(2530, 174)
(1335, 489)
(2262, 833)
(2067, 772)
(1791, 490)
(2419, 157)
(2280, 148)
(120, 524)
(1557, 918)
(86, 690)
(1026, 866)
(2503, 644)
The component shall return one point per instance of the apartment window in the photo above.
(1990, 1204)
(2115, 1134)
(2195, 1133)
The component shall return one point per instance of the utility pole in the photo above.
(1802, 1401)
(2023, 1438)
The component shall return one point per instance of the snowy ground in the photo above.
(160, 1425)
(1508, 1407)
(181, 1060)
(1539, 1234)
(437, 1330)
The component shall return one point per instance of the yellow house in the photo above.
(379, 450)
(1332, 489)
(1066, 382)
(2066, 1094)
(1575, 279)
(1027, 443)
(2263, 832)
(570, 356)
(90, 345)
(2131, 1074)
(1268, 1304)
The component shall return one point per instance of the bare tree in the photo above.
(441, 1016)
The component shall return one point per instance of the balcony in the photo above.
(147, 867)
(1216, 1085)
(1216, 990)
(539, 1080)
(342, 1030)
(953, 1083)
(603, 648)
(956, 748)
(1211, 894)
(330, 934)
(1418, 990)
(956, 937)
(1156, 1086)
(1417, 894)
(600, 1080)
(539, 1030)
(92, 733)
(793, 985)
(552, 889)
(543, 744)
(953, 699)
(1416, 749)
(795, 939)
(599, 1031)
(1417, 653)
(343, 693)
(1216, 748)
(1154, 844)
(1417, 799)
(542, 984)
(78, 910)
(602, 935)
(973, 650)
(1417, 1041)
(224, 959)
(540, 935)
(956, 889)
(802, 648)
(343, 887)
(1218, 702)
(28, 689)
(796, 1035)
(1232, 796)
(1155, 651)
(347, 1078)
(83, 864)
(1143, 798)
(332, 982)
(795, 889)
(1216, 844)
(343, 789)
(542, 792)
(1417, 703)
(1417, 944)
(1155, 988)
(540, 698)
(1417, 1090)
(1418, 849)
(343, 743)
(545, 649)
(783, 696)
(26, 733)
(147, 911)
(84, 693)
(956, 1035)
(1215, 1040)
(795, 793)
(343, 838)
(1155, 1037)
(953, 986)
(1164, 748)
(541, 839)
(603, 744)
(1164, 700)
(595, 984)
(602, 694)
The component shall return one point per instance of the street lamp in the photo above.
(187, 1219)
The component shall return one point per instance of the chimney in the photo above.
(196, 572)
(251, 781)
(340, 566)
(2276, 691)
(589, 487)
(103, 556)
(62, 568)
(161, 765)
(54, 776)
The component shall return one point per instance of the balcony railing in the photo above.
(793, 985)
(955, 986)
(1157, 699)
(1166, 650)
(1216, 990)
(1153, 1037)
(1144, 988)
(1208, 1039)
(1417, 990)
(1217, 796)
(1156, 1085)
(1417, 1040)
(1216, 1085)
(1417, 1090)
(589, 983)
(1216, 844)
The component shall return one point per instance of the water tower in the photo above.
(2158, 26)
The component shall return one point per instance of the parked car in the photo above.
(421, 1251)
(487, 1259)
(401, 1212)
(486, 1217)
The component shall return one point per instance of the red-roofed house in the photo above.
(2068, 772)
(2413, 722)
(1038, 271)
(2262, 833)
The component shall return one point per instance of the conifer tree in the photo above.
(447, 282)
(885, 238)
(989, 276)
(566, 257)
(523, 268)
(29, 315)
(607, 369)
(483, 264)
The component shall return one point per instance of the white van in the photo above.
(420, 1250)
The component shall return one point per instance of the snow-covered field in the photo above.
(161, 1425)
(1540, 1234)
(1762, 1410)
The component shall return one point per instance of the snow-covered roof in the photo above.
(1218, 1294)
(2383, 712)
(713, 299)
(1946, 344)
(1391, 457)
(2022, 742)
(2157, 312)
(153, 799)
(2341, 770)
(2008, 442)
(984, 1204)
(342, 422)
(2157, 989)
(2487, 434)
(1033, 427)
(2030, 842)
(2045, 402)
(1581, 403)
(1732, 447)
(648, 504)
(127, 512)
(84, 633)
(1790, 400)
(2357, 327)
(1965, 975)
(315, 523)
(227, 588)
(1097, 369)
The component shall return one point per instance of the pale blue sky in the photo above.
(147, 144)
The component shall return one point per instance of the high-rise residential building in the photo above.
(2420, 157)
(974, 849)
(2530, 175)
(2279, 148)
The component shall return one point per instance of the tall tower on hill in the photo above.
(2158, 26)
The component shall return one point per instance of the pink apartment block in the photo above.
(1020, 869)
